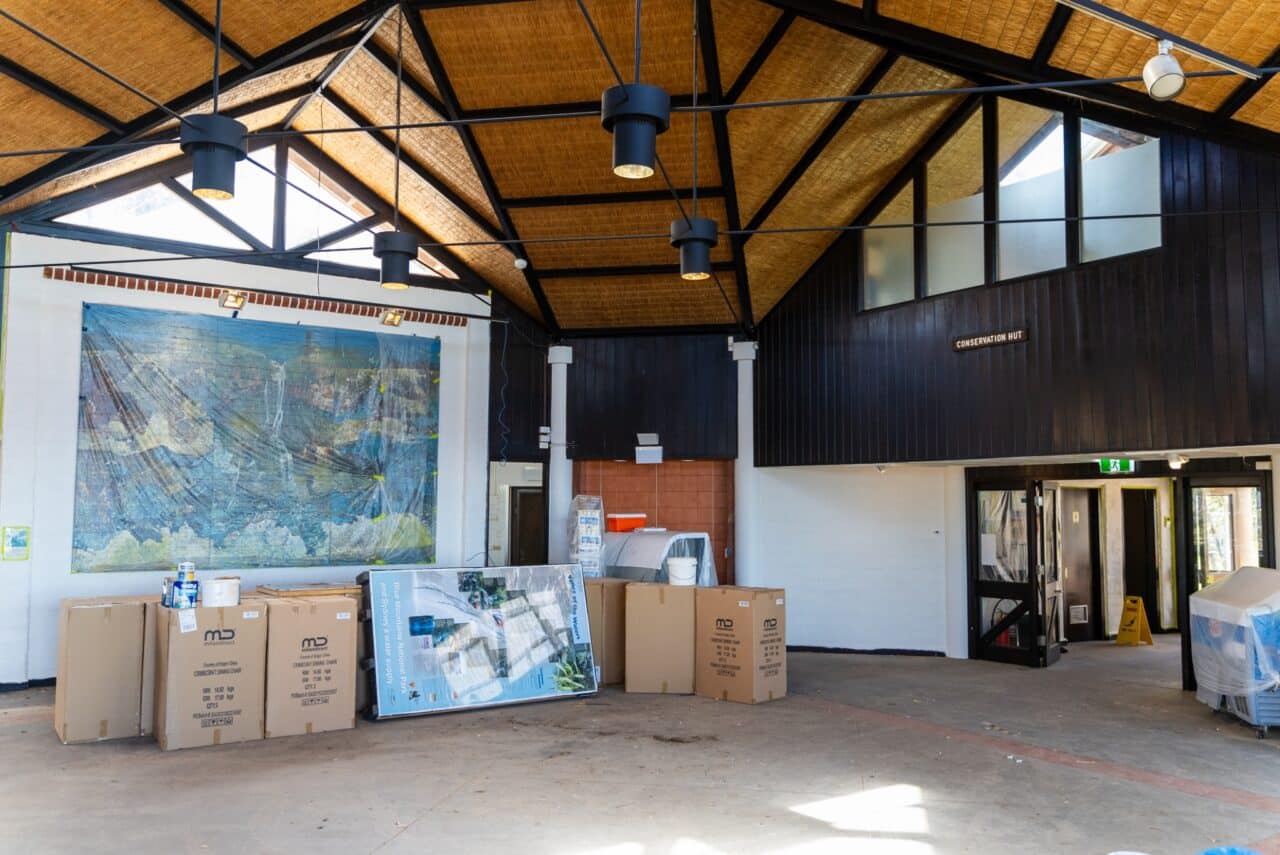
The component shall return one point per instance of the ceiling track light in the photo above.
(1177, 461)
(1163, 74)
(694, 237)
(635, 113)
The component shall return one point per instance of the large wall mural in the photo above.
(234, 443)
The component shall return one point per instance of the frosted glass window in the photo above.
(888, 255)
(157, 212)
(1032, 186)
(954, 194)
(1120, 174)
(307, 219)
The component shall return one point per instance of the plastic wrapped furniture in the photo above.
(641, 556)
(1235, 645)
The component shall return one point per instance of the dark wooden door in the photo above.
(1080, 563)
(1141, 576)
(528, 533)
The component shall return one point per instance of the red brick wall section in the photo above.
(683, 495)
(257, 298)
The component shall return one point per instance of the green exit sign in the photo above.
(1117, 465)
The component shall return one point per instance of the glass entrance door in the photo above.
(1003, 603)
(1227, 531)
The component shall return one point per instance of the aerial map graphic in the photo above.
(234, 443)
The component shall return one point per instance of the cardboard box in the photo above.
(606, 615)
(311, 589)
(311, 665)
(742, 644)
(210, 675)
(98, 694)
(659, 645)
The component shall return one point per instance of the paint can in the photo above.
(682, 571)
(186, 590)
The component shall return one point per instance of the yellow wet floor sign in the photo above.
(1134, 628)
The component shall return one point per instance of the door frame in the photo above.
(1026, 593)
(1201, 471)
(1183, 514)
(1154, 617)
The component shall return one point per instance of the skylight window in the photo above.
(308, 219)
(253, 206)
(156, 212)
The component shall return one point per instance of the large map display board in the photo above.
(452, 639)
(234, 443)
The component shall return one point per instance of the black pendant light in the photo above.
(694, 236)
(635, 113)
(396, 248)
(215, 143)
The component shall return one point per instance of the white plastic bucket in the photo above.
(223, 591)
(682, 571)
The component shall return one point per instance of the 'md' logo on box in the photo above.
(994, 339)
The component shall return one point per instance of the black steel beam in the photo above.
(335, 65)
(453, 111)
(1050, 37)
(318, 41)
(990, 188)
(197, 22)
(1247, 89)
(724, 157)
(919, 234)
(416, 166)
(815, 149)
(625, 270)
(519, 111)
(1071, 176)
(986, 66)
(621, 197)
(762, 53)
(51, 90)
(349, 230)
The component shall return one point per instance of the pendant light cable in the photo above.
(637, 41)
(604, 50)
(399, 94)
(217, 51)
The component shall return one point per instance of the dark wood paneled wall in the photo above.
(518, 398)
(1172, 348)
(682, 387)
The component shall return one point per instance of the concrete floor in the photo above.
(882, 755)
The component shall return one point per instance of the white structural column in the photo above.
(559, 469)
(1275, 500)
(744, 471)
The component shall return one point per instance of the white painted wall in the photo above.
(869, 560)
(41, 390)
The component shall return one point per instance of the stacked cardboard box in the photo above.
(741, 644)
(660, 637)
(311, 665)
(335, 589)
(606, 613)
(210, 675)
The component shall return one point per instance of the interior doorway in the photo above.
(527, 540)
(1081, 563)
(1141, 571)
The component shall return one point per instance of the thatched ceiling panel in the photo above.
(740, 27)
(613, 219)
(361, 155)
(138, 41)
(572, 156)
(260, 25)
(371, 88)
(542, 52)
(767, 143)
(1009, 26)
(641, 301)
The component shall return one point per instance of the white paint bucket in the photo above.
(682, 571)
(223, 591)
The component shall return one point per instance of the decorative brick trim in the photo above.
(257, 298)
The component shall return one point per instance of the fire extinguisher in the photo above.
(1008, 638)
